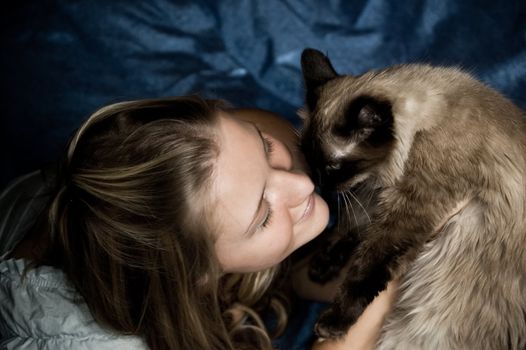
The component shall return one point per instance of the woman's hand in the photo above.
(365, 332)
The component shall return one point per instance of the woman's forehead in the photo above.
(239, 175)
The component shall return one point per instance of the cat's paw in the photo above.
(330, 325)
(322, 269)
(328, 263)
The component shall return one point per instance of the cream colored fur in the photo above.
(463, 147)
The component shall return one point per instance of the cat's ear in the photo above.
(370, 116)
(317, 70)
(365, 115)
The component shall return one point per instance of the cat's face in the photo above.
(348, 127)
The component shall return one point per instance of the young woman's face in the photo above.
(265, 208)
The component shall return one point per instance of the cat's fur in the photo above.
(445, 157)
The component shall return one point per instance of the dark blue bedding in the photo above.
(60, 60)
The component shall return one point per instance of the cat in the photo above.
(443, 158)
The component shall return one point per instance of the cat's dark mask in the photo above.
(365, 119)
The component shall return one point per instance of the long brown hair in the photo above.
(129, 227)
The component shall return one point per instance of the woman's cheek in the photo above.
(284, 237)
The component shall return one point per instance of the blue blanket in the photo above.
(60, 60)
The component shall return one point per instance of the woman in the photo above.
(170, 218)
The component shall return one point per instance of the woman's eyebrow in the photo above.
(253, 224)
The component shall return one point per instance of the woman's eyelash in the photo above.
(266, 222)
(269, 145)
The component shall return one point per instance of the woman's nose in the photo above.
(293, 187)
(290, 185)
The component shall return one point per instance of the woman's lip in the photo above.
(308, 209)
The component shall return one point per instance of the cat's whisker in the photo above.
(360, 204)
(350, 205)
(370, 198)
(339, 216)
(353, 211)
(345, 207)
(340, 204)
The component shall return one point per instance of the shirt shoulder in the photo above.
(42, 310)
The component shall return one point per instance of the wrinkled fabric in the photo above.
(60, 60)
(42, 310)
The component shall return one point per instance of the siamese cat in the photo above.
(443, 158)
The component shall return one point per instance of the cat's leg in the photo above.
(393, 238)
(368, 275)
(463, 291)
(327, 264)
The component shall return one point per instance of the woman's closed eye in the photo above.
(269, 146)
(278, 154)
(266, 220)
